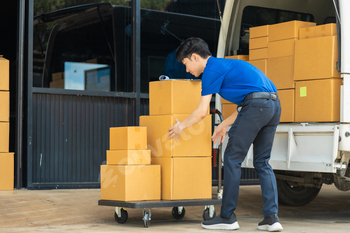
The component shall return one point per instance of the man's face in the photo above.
(193, 66)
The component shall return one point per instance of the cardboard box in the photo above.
(57, 76)
(316, 58)
(223, 101)
(168, 97)
(260, 31)
(194, 141)
(256, 54)
(130, 182)
(128, 138)
(317, 100)
(287, 30)
(4, 106)
(6, 171)
(261, 64)
(326, 30)
(287, 104)
(185, 178)
(280, 70)
(282, 48)
(4, 136)
(228, 110)
(57, 84)
(257, 43)
(128, 157)
(307, 33)
(240, 57)
(4, 74)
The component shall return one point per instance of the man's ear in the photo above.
(195, 56)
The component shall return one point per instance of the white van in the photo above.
(305, 154)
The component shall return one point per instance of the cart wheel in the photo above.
(146, 219)
(123, 217)
(176, 214)
(206, 215)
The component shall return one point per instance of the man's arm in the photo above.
(193, 119)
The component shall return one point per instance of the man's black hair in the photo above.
(190, 46)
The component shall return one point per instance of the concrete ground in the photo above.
(77, 211)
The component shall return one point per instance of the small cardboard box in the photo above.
(128, 138)
(6, 171)
(316, 58)
(258, 43)
(4, 74)
(128, 157)
(287, 104)
(194, 141)
(257, 54)
(287, 30)
(4, 106)
(307, 33)
(4, 136)
(317, 100)
(168, 97)
(130, 182)
(261, 64)
(326, 30)
(280, 70)
(239, 57)
(281, 48)
(57, 84)
(57, 76)
(185, 178)
(228, 110)
(261, 31)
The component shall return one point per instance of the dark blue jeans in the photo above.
(256, 123)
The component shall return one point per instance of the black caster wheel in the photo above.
(123, 217)
(176, 214)
(206, 216)
(146, 219)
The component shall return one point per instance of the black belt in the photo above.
(261, 95)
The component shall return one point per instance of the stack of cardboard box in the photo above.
(57, 80)
(317, 93)
(258, 42)
(186, 163)
(6, 158)
(128, 175)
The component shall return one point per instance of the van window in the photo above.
(259, 16)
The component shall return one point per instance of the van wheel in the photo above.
(293, 195)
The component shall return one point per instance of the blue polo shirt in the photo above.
(233, 79)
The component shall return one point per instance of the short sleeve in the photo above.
(211, 82)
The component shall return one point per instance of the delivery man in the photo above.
(258, 114)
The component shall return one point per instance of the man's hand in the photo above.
(219, 134)
(176, 130)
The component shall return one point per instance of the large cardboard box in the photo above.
(261, 64)
(281, 48)
(287, 104)
(287, 30)
(228, 110)
(130, 182)
(4, 74)
(307, 33)
(194, 141)
(185, 178)
(6, 171)
(317, 100)
(128, 157)
(4, 106)
(316, 58)
(257, 43)
(326, 30)
(239, 57)
(4, 136)
(223, 101)
(280, 70)
(260, 31)
(256, 54)
(57, 84)
(168, 97)
(128, 138)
